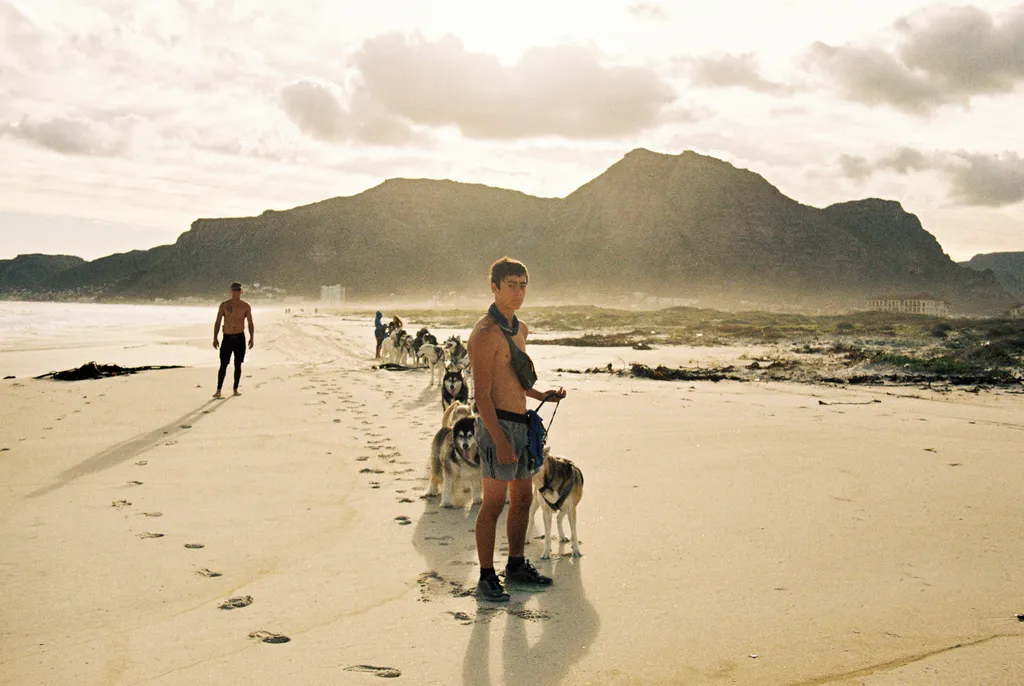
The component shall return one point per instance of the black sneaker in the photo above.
(490, 588)
(526, 573)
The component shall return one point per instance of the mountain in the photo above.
(32, 273)
(686, 225)
(1008, 268)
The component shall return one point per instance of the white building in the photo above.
(924, 303)
(332, 295)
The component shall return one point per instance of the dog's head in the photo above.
(452, 382)
(554, 473)
(464, 440)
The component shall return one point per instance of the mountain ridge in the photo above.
(686, 225)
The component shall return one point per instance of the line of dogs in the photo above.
(454, 463)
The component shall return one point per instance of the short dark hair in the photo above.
(506, 266)
(236, 286)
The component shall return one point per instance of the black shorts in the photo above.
(233, 343)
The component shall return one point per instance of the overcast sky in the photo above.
(122, 121)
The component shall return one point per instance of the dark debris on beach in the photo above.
(91, 370)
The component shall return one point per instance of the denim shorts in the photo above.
(517, 433)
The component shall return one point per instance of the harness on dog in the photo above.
(563, 493)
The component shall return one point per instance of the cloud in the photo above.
(76, 135)
(315, 110)
(316, 107)
(965, 50)
(988, 180)
(854, 167)
(944, 56)
(872, 76)
(905, 160)
(732, 71)
(649, 10)
(552, 91)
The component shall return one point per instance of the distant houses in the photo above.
(332, 295)
(924, 303)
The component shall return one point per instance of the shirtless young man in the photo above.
(502, 430)
(234, 313)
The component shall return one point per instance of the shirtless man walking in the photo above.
(233, 313)
(503, 380)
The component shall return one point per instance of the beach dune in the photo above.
(768, 533)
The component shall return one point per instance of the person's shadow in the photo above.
(445, 539)
(569, 625)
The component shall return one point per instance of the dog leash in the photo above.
(552, 420)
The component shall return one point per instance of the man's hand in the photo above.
(506, 455)
(216, 344)
(555, 395)
(252, 341)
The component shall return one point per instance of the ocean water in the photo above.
(40, 337)
(42, 325)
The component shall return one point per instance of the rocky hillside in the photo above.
(1007, 267)
(687, 226)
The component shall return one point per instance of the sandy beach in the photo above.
(732, 533)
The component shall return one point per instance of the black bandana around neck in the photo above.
(498, 317)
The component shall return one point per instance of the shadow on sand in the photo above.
(133, 447)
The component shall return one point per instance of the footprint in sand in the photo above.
(269, 637)
(152, 514)
(368, 470)
(134, 483)
(403, 520)
(236, 602)
(207, 572)
(374, 484)
(194, 546)
(141, 463)
(405, 500)
(150, 535)
(120, 503)
(382, 672)
(362, 458)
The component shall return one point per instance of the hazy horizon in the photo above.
(125, 122)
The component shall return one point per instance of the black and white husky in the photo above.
(453, 387)
(433, 356)
(454, 463)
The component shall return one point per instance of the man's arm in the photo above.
(216, 325)
(482, 357)
(252, 326)
(533, 392)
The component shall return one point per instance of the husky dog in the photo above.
(458, 355)
(433, 356)
(422, 336)
(392, 349)
(453, 387)
(557, 487)
(454, 463)
(387, 351)
(456, 411)
(408, 354)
